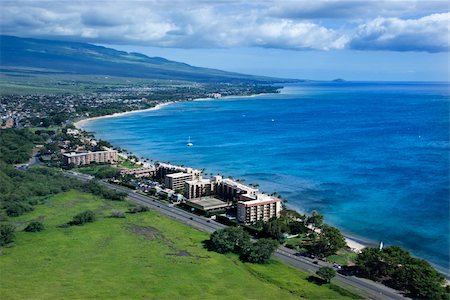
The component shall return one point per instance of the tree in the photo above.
(229, 239)
(260, 252)
(398, 269)
(326, 273)
(7, 234)
(371, 262)
(34, 226)
(87, 216)
(296, 227)
(274, 229)
(329, 241)
(315, 219)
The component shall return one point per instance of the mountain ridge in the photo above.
(87, 59)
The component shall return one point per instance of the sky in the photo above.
(320, 39)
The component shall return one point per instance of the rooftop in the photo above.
(261, 200)
(178, 175)
(73, 154)
(239, 185)
(207, 203)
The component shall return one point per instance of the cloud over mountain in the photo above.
(298, 25)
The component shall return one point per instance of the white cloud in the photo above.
(430, 33)
(299, 25)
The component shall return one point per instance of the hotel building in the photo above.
(176, 181)
(232, 190)
(87, 158)
(198, 188)
(163, 169)
(261, 207)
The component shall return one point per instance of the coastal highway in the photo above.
(364, 287)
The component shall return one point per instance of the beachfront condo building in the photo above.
(198, 188)
(87, 158)
(163, 169)
(232, 190)
(262, 207)
(226, 189)
(148, 171)
(176, 181)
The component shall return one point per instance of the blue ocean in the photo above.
(372, 157)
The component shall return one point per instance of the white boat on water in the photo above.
(189, 144)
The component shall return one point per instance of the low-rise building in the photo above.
(175, 181)
(262, 207)
(149, 171)
(87, 158)
(208, 204)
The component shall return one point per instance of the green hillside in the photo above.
(38, 56)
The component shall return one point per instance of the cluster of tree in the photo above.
(326, 273)
(53, 118)
(237, 240)
(396, 268)
(99, 190)
(20, 190)
(322, 240)
(16, 145)
(327, 241)
(84, 217)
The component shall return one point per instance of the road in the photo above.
(364, 287)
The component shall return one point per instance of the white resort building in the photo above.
(87, 158)
(263, 207)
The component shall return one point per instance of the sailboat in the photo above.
(189, 144)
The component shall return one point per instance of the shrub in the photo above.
(34, 226)
(117, 214)
(87, 216)
(138, 209)
(99, 190)
(7, 234)
(15, 209)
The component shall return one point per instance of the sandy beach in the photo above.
(354, 245)
(79, 124)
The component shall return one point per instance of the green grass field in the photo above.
(128, 164)
(143, 255)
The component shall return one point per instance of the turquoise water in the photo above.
(372, 157)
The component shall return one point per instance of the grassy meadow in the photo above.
(144, 255)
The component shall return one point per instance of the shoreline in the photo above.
(80, 123)
(355, 244)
